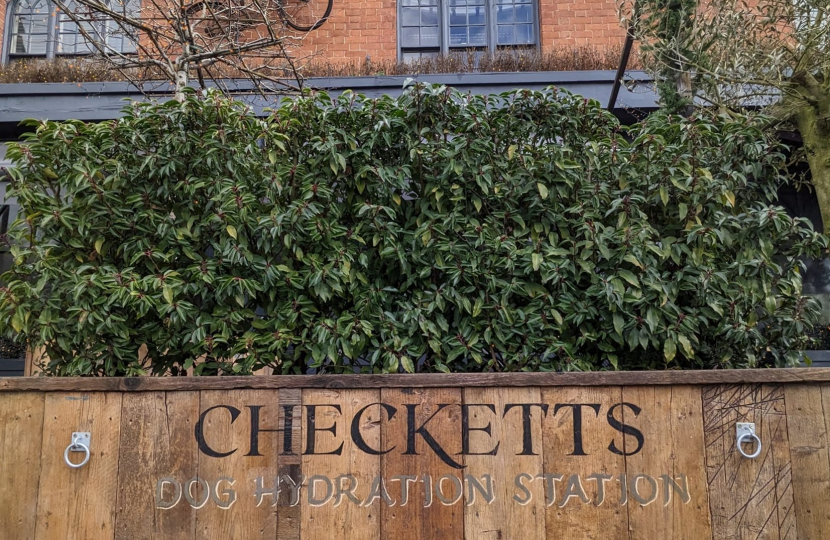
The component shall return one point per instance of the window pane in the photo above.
(429, 16)
(458, 35)
(415, 56)
(478, 36)
(515, 22)
(524, 13)
(37, 25)
(410, 16)
(458, 15)
(410, 37)
(476, 15)
(524, 33)
(506, 35)
(430, 37)
(120, 39)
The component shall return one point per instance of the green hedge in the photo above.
(432, 232)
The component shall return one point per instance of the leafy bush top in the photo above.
(431, 232)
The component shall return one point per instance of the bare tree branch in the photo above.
(181, 41)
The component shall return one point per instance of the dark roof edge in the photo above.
(516, 79)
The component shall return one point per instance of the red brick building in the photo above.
(380, 29)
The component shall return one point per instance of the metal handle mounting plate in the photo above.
(80, 437)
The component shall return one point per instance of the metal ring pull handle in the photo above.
(745, 432)
(80, 443)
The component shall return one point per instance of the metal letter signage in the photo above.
(560, 488)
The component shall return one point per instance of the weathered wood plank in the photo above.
(157, 442)
(21, 437)
(439, 411)
(348, 466)
(671, 421)
(288, 514)
(581, 449)
(430, 380)
(810, 454)
(515, 513)
(749, 499)
(238, 465)
(79, 504)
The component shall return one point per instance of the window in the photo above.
(514, 22)
(70, 39)
(117, 39)
(38, 29)
(431, 27)
(420, 31)
(468, 24)
(30, 28)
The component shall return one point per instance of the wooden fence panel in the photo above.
(157, 456)
(517, 512)
(240, 430)
(290, 464)
(286, 458)
(807, 429)
(582, 449)
(21, 437)
(673, 419)
(79, 504)
(347, 511)
(749, 498)
(439, 412)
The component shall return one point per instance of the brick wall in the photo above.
(3, 4)
(580, 22)
(357, 28)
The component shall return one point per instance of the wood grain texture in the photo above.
(349, 520)
(156, 442)
(288, 515)
(412, 520)
(79, 504)
(33, 361)
(671, 420)
(140, 437)
(431, 380)
(505, 518)
(749, 499)
(221, 517)
(21, 437)
(603, 517)
(807, 429)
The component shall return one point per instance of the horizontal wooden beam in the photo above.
(432, 380)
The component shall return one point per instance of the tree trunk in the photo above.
(816, 137)
(181, 68)
(181, 84)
